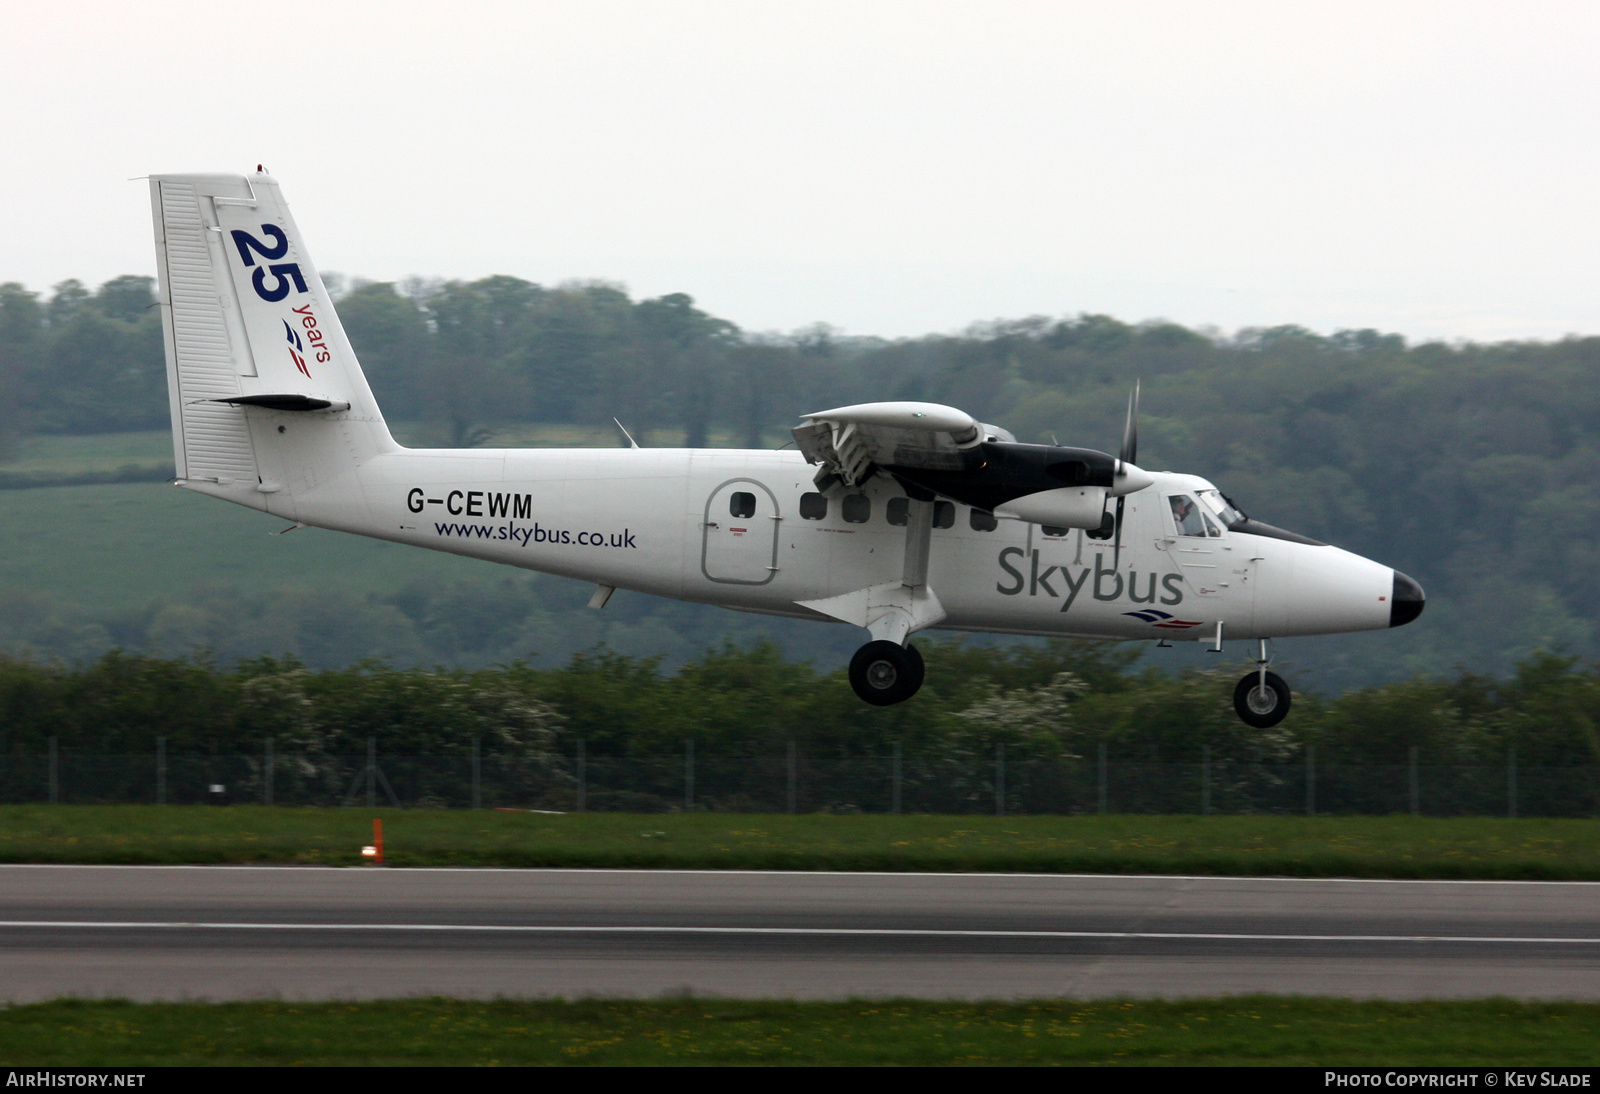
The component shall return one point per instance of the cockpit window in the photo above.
(1186, 516)
(1222, 507)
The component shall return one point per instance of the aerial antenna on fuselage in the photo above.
(631, 442)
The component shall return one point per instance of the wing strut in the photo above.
(919, 541)
(894, 611)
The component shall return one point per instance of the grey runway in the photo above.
(316, 933)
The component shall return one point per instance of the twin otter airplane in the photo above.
(893, 517)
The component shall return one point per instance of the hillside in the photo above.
(1468, 466)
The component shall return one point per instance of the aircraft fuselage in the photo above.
(728, 528)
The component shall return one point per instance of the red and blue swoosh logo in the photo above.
(1159, 618)
(295, 346)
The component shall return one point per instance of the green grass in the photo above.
(1398, 847)
(1238, 1031)
(116, 547)
(61, 457)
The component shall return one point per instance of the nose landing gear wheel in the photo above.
(885, 673)
(1261, 707)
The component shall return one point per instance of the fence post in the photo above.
(1102, 780)
(1205, 780)
(266, 771)
(1000, 780)
(1416, 803)
(1511, 782)
(791, 777)
(1311, 780)
(161, 771)
(583, 778)
(688, 776)
(55, 771)
(372, 772)
(477, 774)
(894, 793)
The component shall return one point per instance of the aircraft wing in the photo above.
(854, 441)
(934, 450)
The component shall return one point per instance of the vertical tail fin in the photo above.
(253, 342)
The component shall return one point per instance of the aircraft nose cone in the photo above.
(1407, 601)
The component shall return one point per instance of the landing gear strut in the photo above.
(1261, 699)
(885, 673)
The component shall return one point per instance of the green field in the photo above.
(119, 546)
(1396, 847)
(53, 457)
(1241, 1031)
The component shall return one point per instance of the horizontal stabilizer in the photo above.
(284, 402)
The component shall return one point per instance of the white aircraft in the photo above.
(893, 517)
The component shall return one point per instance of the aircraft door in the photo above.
(1195, 542)
(739, 544)
(1212, 563)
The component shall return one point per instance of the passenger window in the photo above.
(813, 506)
(857, 508)
(899, 511)
(1186, 516)
(1052, 530)
(944, 514)
(742, 504)
(982, 520)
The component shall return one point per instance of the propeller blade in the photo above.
(1130, 431)
(1129, 456)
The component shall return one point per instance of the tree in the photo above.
(685, 350)
(126, 298)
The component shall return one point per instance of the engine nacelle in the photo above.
(1063, 507)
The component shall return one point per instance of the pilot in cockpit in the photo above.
(1186, 515)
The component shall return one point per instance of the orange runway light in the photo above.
(374, 852)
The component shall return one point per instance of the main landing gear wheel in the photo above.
(1261, 707)
(885, 673)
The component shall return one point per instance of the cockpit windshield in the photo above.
(1221, 506)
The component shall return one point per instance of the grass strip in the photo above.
(1257, 1030)
(1387, 847)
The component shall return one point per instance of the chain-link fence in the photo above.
(793, 782)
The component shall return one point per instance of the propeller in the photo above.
(1126, 458)
(1130, 431)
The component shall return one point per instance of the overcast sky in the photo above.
(890, 168)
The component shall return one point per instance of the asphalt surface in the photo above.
(309, 933)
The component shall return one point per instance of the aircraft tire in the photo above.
(885, 673)
(1258, 709)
